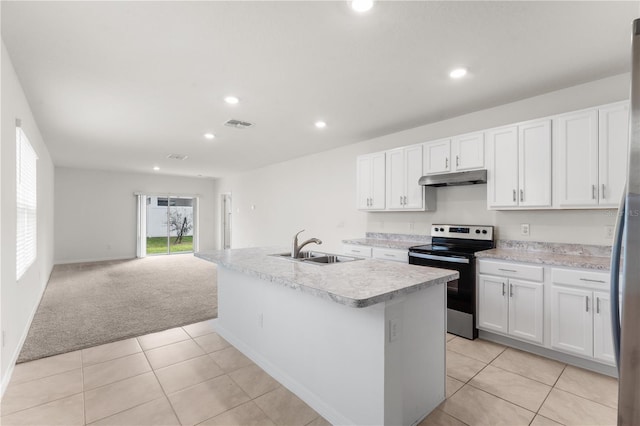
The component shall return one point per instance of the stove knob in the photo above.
(435, 229)
(441, 229)
(477, 231)
(484, 231)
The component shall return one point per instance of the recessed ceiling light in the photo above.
(156, 168)
(321, 124)
(231, 100)
(209, 136)
(361, 5)
(458, 73)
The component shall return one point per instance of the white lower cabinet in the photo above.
(381, 253)
(511, 306)
(580, 316)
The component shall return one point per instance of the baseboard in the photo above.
(301, 391)
(96, 259)
(7, 377)
(550, 353)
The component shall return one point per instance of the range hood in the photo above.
(454, 179)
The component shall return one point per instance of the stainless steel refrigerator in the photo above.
(625, 263)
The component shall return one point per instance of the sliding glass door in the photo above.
(170, 225)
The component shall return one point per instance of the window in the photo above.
(26, 203)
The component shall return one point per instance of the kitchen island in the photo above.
(361, 342)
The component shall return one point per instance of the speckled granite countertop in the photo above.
(358, 284)
(393, 241)
(568, 255)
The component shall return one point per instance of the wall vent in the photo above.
(238, 124)
(177, 157)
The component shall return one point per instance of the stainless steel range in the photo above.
(454, 247)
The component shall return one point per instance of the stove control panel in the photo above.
(467, 232)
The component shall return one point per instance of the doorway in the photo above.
(226, 221)
(170, 225)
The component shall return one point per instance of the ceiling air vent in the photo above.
(177, 157)
(238, 124)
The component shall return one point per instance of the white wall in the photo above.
(95, 211)
(19, 300)
(317, 192)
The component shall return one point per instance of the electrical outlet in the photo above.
(394, 329)
(524, 229)
(608, 232)
(411, 226)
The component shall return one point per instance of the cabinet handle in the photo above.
(389, 255)
(592, 281)
(503, 290)
(514, 195)
(602, 195)
(507, 270)
(446, 163)
(355, 251)
(510, 290)
(586, 299)
(597, 305)
(401, 203)
(522, 195)
(405, 200)
(593, 192)
(457, 160)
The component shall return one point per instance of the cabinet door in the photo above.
(577, 158)
(436, 157)
(377, 181)
(395, 179)
(468, 152)
(613, 143)
(502, 167)
(534, 150)
(602, 339)
(363, 183)
(413, 172)
(526, 310)
(492, 303)
(571, 320)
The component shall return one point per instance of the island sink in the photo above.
(316, 257)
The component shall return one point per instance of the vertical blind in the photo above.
(26, 201)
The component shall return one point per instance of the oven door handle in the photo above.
(452, 259)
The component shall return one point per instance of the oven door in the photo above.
(461, 293)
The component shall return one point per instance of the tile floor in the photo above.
(190, 375)
(489, 384)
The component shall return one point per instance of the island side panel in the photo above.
(332, 356)
(415, 352)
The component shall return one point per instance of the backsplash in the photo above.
(559, 248)
(399, 237)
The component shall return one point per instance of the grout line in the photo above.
(506, 400)
(84, 408)
(166, 396)
(39, 405)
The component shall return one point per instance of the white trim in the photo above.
(95, 259)
(167, 194)
(7, 377)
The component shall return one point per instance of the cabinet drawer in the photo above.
(580, 278)
(512, 270)
(391, 254)
(362, 251)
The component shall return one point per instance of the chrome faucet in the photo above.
(295, 247)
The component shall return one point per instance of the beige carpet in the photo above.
(88, 304)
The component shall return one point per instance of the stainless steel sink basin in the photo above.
(317, 258)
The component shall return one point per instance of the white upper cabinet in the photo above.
(371, 181)
(458, 154)
(404, 169)
(613, 137)
(576, 140)
(468, 152)
(519, 166)
(591, 156)
(437, 156)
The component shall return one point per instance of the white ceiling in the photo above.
(121, 85)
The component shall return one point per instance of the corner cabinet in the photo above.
(591, 152)
(404, 169)
(461, 153)
(371, 181)
(519, 166)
